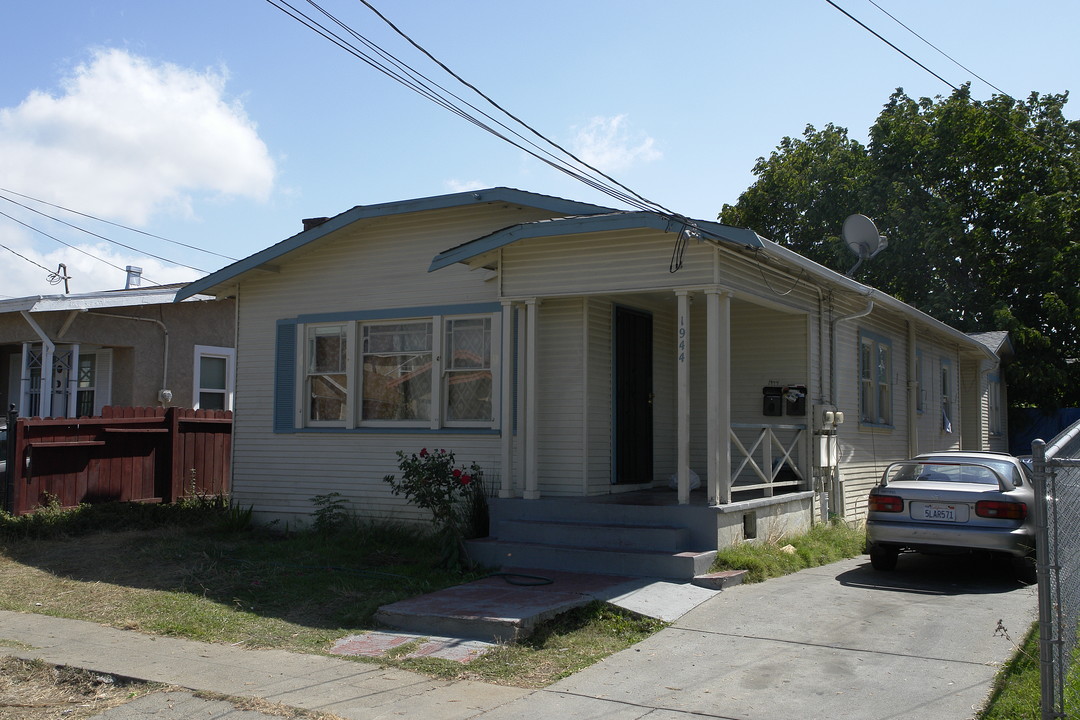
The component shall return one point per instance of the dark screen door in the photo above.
(633, 397)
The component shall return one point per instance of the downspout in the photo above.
(48, 351)
(835, 492)
(913, 393)
(164, 395)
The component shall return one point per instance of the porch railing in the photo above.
(768, 461)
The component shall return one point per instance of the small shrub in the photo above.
(331, 513)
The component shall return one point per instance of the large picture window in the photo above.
(875, 373)
(397, 367)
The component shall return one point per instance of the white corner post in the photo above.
(48, 350)
(683, 408)
(532, 489)
(718, 396)
(506, 401)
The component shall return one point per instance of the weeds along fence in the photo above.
(1057, 480)
(125, 454)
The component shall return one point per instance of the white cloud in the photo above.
(608, 143)
(126, 138)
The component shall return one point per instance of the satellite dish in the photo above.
(861, 235)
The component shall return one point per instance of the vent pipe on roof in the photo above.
(313, 222)
(134, 277)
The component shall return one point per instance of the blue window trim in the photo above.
(400, 313)
(887, 342)
(947, 362)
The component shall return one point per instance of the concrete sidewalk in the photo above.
(839, 641)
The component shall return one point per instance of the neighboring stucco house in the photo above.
(132, 347)
(589, 359)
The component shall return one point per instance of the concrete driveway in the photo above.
(841, 641)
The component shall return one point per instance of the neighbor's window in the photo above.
(214, 377)
(397, 361)
(994, 399)
(86, 383)
(946, 395)
(875, 373)
(467, 372)
(327, 381)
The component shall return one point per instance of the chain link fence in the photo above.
(1057, 479)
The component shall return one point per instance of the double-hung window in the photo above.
(875, 377)
(994, 398)
(214, 377)
(327, 378)
(946, 395)
(417, 372)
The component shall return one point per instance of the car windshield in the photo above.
(960, 470)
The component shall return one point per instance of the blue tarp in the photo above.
(1029, 425)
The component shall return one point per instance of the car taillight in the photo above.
(1000, 509)
(886, 503)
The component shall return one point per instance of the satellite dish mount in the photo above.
(861, 235)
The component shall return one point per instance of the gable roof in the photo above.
(589, 224)
(549, 203)
(998, 341)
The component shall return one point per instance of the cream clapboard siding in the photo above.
(974, 434)
(561, 396)
(371, 265)
(600, 263)
(599, 392)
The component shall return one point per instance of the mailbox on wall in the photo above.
(772, 401)
(795, 400)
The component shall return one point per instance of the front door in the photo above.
(633, 397)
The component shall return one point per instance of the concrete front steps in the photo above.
(606, 538)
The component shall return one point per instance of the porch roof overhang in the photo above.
(714, 232)
(223, 280)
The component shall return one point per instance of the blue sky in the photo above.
(220, 125)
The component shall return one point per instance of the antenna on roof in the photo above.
(861, 235)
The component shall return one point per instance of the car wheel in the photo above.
(883, 557)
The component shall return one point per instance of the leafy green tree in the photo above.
(980, 201)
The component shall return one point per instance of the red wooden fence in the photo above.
(125, 454)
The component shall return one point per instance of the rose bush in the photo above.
(455, 496)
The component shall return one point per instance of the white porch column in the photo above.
(48, 349)
(506, 401)
(532, 490)
(718, 395)
(683, 391)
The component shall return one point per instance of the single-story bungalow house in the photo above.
(631, 383)
(134, 347)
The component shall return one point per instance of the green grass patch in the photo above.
(1017, 690)
(823, 544)
(192, 573)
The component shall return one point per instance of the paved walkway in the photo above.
(835, 642)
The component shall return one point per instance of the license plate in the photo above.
(942, 513)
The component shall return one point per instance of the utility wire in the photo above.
(939, 50)
(73, 247)
(427, 88)
(894, 47)
(101, 237)
(114, 224)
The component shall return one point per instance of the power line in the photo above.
(73, 247)
(939, 50)
(416, 81)
(894, 47)
(101, 237)
(114, 224)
